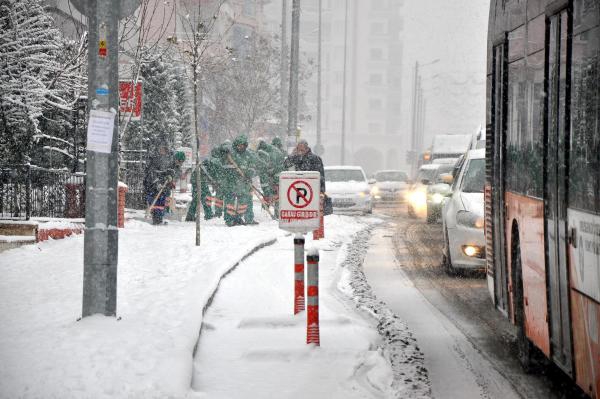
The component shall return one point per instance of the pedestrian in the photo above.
(303, 159)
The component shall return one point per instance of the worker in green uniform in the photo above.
(216, 171)
(205, 193)
(276, 142)
(238, 203)
(269, 178)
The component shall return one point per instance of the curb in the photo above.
(57, 233)
(227, 272)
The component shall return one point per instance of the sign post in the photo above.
(299, 213)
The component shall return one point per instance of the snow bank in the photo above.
(164, 282)
(411, 378)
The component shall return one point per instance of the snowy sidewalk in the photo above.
(164, 282)
(252, 346)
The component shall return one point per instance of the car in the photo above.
(438, 191)
(388, 186)
(463, 216)
(417, 194)
(348, 188)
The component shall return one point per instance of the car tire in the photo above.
(446, 258)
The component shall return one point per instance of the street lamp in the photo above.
(415, 128)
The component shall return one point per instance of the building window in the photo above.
(375, 104)
(376, 54)
(377, 28)
(374, 128)
(249, 7)
(375, 79)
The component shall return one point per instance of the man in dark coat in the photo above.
(161, 171)
(303, 159)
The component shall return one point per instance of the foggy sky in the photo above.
(456, 33)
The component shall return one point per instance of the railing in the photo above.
(132, 171)
(28, 191)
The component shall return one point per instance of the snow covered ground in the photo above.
(252, 346)
(164, 282)
(164, 285)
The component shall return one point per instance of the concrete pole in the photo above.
(343, 143)
(319, 60)
(294, 69)
(284, 84)
(101, 239)
(413, 140)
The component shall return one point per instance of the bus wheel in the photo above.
(524, 346)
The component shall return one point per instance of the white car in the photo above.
(348, 189)
(463, 216)
(389, 186)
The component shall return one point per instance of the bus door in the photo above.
(555, 185)
(499, 108)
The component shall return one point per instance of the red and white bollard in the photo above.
(312, 299)
(320, 232)
(298, 274)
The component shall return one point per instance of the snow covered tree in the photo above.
(40, 78)
(29, 53)
(160, 122)
(183, 107)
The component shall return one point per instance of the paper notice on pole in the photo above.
(100, 131)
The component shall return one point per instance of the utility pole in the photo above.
(294, 66)
(198, 37)
(283, 72)
(319, 147)
(101, 238)
(413, 138)
(343, 143)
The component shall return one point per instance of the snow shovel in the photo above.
(149, 210)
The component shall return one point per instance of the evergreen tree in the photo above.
(183, 107)
(37, 86)
(160, 120)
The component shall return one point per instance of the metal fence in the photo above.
(28, 191)
(131, 172)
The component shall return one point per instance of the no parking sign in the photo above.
(299, 201)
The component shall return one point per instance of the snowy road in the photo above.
(456, 368)
(465, 312)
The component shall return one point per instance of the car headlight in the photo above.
(418, 198)
(375, 190)
(469, 219)
(437, 198)
(365, 193)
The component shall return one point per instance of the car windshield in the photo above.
(428, 174)
(341, 175)
(391, 176)
(474, 176)
(443, 170)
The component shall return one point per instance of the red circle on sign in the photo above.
(307, 198)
